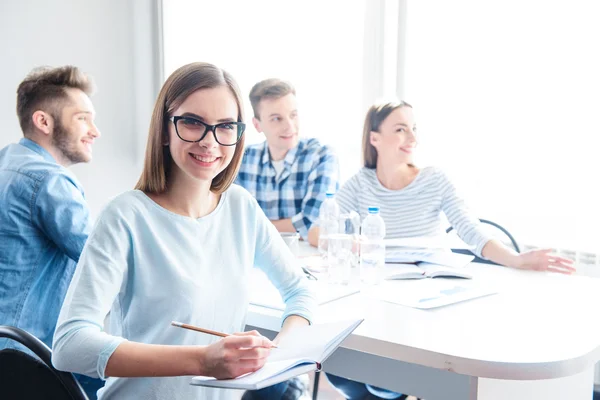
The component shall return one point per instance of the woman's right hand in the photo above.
(236, 355)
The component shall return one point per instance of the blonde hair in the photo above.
(375, 116)
(182, 83)
(269, 89)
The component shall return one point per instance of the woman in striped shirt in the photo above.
(411, 200)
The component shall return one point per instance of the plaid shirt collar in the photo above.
(289, 158)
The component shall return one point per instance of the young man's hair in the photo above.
(182, 83)
(45, 89)
(375, 116)
(269, 89)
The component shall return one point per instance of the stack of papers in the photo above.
(427, 257)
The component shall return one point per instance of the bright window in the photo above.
(316, 45)
(507, 101)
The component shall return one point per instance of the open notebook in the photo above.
(427, 242)
(423, 270)
(301, 351)
(433, 256)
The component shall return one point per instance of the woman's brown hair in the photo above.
(183, 82)
(375, 116)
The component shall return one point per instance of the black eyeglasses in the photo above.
(193, 130)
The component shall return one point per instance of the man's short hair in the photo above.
(45, 89)
(269, 89)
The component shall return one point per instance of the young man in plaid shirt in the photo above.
(287, 175)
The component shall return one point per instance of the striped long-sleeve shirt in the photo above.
(414, 210)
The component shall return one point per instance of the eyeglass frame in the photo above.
(209, 128)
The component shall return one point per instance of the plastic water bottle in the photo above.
(329, 212)
(372, 248)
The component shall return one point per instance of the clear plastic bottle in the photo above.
(372, 247)
(329, 213)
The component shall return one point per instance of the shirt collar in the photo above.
(33, 146)
(289, 157)
(265, 154)
(291, 154)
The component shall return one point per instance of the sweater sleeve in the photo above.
(80, 345)
(276, 260)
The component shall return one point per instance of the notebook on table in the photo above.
(433, 256)
(427, 242)
(302, 350)
(423, 270)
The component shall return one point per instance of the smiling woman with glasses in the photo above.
(180, 247)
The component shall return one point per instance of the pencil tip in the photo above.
(175, 323)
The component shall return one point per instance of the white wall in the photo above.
(116, 42)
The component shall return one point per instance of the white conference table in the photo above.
(537, 338)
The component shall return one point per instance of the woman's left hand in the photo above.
(543, 260)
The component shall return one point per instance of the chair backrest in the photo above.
(23, 376)
(500, 233)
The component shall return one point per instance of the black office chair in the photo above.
(23, 376)
(511, 241)
(316, 385)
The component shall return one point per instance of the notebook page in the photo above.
(434, 270)
(313, 341)
(269, 372)
(339, 339)
(403, 271)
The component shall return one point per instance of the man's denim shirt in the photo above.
(44, 223)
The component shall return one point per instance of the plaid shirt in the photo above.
(310, 170)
